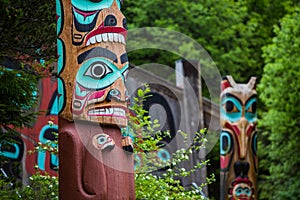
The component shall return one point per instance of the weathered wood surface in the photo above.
(86, 172)
(238, 141)
(92, 69)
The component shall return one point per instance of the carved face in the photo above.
(238, 139)
(103, 141)
(100, 94)
(96, 21)
(95, 63)
(242, 190)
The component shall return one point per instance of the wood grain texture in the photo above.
(87, 173)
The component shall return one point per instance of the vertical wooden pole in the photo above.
(194, 121)
(92, 68)
(238, 140)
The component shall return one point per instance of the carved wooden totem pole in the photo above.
(238, 140)
(92, 68)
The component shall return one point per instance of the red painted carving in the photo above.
(91, 173)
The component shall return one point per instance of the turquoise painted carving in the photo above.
(238, 140)
(44, 137)
(87, 5)
(92, 63)
(11, 155)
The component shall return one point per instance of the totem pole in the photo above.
(92, 69)
(238, 140)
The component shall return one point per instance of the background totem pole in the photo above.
(238, 140)
(92, 68)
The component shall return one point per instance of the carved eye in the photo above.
(125, 24)
(252, 108)
(110, 20)
(97, 70)
(242, 191)
(230, 107)
(239, 191)
(247, 192)
(225, 143)
(101, 139)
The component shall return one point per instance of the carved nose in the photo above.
(244, 138)
(113, 94)
(241, 169)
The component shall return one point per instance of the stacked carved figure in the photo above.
(92, 68)
(238, 140)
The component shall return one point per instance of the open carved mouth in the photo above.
(107, 34)
(108, 112)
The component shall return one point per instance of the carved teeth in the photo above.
(104, 37)
(107, 37)
(93, 40)
(116, 37)
(111, 37)
(108, 111)
(99, 38)
(122, 39)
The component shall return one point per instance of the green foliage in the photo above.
(17, 91)
(147, 140)
(27, 29)
(41, 187)
(279, 91)
(233, 32)
(50, 146)
(6, 189)
(149, 186)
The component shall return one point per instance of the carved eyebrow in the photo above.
(228, 95)
(97, 52)
(124, 58)
(254, 96)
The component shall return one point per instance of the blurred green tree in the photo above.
(27, 29)
(279, 91)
